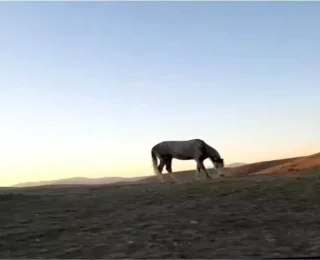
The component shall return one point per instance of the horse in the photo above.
(194, 149)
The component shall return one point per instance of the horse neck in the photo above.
(212, 153)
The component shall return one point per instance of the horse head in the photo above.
(218, 162)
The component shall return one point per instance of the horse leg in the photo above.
(169, 170)
(197, 175)
(201, 165)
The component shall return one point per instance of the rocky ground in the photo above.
(261, 216)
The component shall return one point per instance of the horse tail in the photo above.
(154, 162)
(155, 166)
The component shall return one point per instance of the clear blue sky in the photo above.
(86, 89)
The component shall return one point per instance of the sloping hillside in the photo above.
(265, 167)
(259, 217)
(294, 165)
(249, 169)
(289, 165)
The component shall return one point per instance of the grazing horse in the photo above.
(194, 149)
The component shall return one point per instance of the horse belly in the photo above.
(183, 157)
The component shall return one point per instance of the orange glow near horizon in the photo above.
(28, 168)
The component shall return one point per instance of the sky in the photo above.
(86, 89)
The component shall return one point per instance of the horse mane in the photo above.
(212, 152)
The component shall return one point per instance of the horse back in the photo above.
(180, 149)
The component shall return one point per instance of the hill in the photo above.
(262, 216)
(80, 181)
(281, 166)
(295, 165)
(232, 165)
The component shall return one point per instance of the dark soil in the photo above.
(262, 216)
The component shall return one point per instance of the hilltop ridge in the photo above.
(280, 166)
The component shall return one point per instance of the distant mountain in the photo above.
(235, 165)
(80, 181)
(93, 181)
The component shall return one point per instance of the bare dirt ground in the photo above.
(260, 216)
